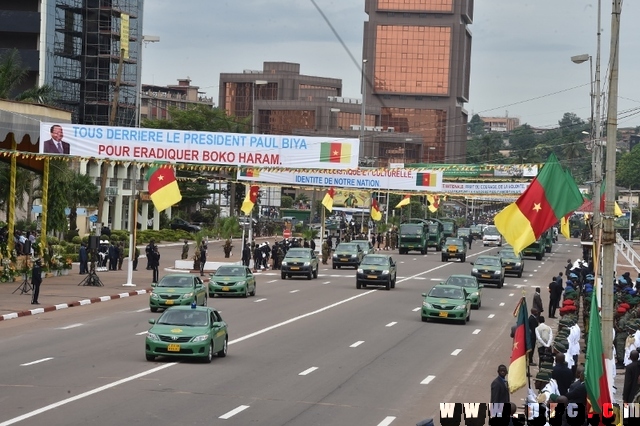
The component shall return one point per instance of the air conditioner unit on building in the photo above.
(391, 129)
(355, 127)
(377, 129)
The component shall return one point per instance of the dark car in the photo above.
(178, 223)
(377, 269)
(347, 254)
(488, 269)
(513, 262)
(299, 261)
(455, 248)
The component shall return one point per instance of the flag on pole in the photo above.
(376, 214)
(433, 201)
(595, 371)
(550, 196)
(617, 211)
(404, 202)
(518, 363)
(250, 199)
(564, 225)
(163, 187)
(327, 201)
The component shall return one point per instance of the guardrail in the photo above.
(626, 250)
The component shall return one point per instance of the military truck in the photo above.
(536, 249)
(450, 227)
(436, 234)
(413, 235)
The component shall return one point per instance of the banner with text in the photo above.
(182, 146)
(372, 180)
(515, 188)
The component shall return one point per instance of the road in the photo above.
(301, 352)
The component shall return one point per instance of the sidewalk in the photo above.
(64, 292)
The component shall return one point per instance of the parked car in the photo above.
(177, 289)
(470, 285)
(299, 261)
(454, 248)
(184, 331)
(177, 223)
(347, 254)
(446, 302)
(513, 262)
(377, 269)
(232, 280)
(488, 269)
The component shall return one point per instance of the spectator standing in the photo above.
(246, 255)
(147, 251)
(154, 262)
(499, 386)
(136, 256)
(537, 301)
(631, 375)
(185, 250)
(555, 291)
(120, 255)
(533, 324)
(113, 257)
(83, 257)
(203, 257)
(562, 374)
(36, 280)
(544, 337)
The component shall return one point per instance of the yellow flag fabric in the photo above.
(434, 202)
(376, 214)
(404, 202)
(250, 199)
(327, 201)
(564, 227)
(617, 211)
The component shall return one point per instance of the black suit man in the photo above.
(499, 388)
(55, 145)
(36, 280)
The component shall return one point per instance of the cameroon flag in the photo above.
(335, 152)
(518, 363)
(250, 199)
(426, 179)
(550, 196)
(404, 202)
(327, 201)
(595, 373)
(163, 187)
(376, 214)
(248, 172)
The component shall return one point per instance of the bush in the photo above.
(77, 240)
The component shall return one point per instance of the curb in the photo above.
(72, 304)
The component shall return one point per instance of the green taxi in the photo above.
(377, 269)
(470, 285)
(177, 289)
(488, 269)
(187, 331)
(299, 261)
(347, 254)
(454, 248)
(446, 302)
(232, 280)
(513, 262)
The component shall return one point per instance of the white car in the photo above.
(491, 237)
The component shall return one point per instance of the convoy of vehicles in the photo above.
(436, 234)
(512, 262)
(455, 248)
(347, 254)
(446, 302)
(491, 237)
(299, 261)
(232, 280)
(449, 227)
(378, 270)
(413, 236)
(488, 269)
(177, 289)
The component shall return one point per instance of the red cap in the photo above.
(621, 310)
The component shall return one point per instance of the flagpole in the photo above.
(133, 214)
(322, 220)
(386, 221)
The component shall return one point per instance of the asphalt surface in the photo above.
(301, 352)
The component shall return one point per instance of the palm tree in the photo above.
(24, 179)
(13, 73)
(82, 191)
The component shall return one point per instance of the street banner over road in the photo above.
(364, 179)
(180, 146)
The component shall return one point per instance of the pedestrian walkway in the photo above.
(64, 292)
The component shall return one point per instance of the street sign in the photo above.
(286, 233)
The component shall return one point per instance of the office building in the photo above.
(155, 101)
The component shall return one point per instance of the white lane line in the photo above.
(427, 380)
(36, 362)
(294, 291)
(456, 352)
(356, 344)
(259, 300)
(416, 309)
(387, 421)
(70, 326)
(491, 316)
(272, 281)
(420, 278)
(524, 281)
(142, 310)
(501, 303)
(307, 371)
(519, 285)
(391, 324)
(326, 282)
(233, 412)
(142, 333)
(476, 331)
(50, 407)
(510, 294)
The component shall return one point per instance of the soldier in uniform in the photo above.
(394, 239)
(326, 250)
(619, 324)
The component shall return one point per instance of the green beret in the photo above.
(543, 376)
(561, 345)
(546, 366)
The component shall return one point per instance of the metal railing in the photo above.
(625, 250)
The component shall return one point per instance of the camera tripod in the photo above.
(92, 279)
(25, 287)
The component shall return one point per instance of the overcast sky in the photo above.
(520, 60)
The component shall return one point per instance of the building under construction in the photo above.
(95, 58)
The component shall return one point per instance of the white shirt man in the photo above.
(574, 344)
(544, 335)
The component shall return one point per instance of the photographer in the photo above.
(36, 280)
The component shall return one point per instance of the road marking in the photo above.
(416, 309)
(476, 331)
(387, 421)
(427, 380)
(491, 316)
(356, 344)
(456, 352)
(70, 326)
(510, 294)
(519, 285)
(233, 412)
(142, 310)
(294, 291)
(391, 324)
(36, 362)
(307, 371)
(142, 333)
(272, 281)
(259, 300)
(327, 282)
(501, 303)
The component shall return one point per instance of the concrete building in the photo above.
(155, 101)
(417, 71)
(500, 124)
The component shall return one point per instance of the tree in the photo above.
(476, 126)
(57, 196)
(627, 169)
(522, 138)
(12, 74)
(82, 191)
(24, 183)
(485, 149)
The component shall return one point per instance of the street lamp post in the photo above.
(331, 111)
(364, 97)
(404, 150)
(253, 102)
(146, 39)
(429, 149)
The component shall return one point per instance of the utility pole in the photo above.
(608, 232)
(112, 119)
